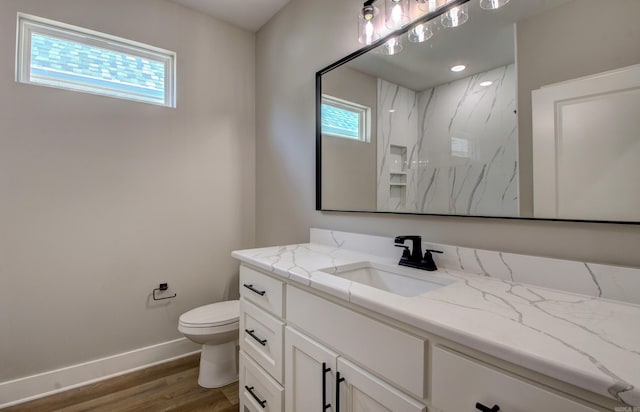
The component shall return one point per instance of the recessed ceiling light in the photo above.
(458, 68)
(486, 84)
(392, 110)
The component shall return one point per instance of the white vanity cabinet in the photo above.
(319, 379)
(303, 351)
(283, 368)
(389, 352)
(261, 342)
(310, 373)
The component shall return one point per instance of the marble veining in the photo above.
(493, 306)
(461, 146)
(597, 280)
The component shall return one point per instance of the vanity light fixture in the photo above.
(369, 23)
(492, 4)
(392, 46)
(428, 5)
(397, 13)
(486, 83)
(455, 17)
(375, 23)
(420, 33)
(458, 68)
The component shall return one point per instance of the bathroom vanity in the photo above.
(322, 328)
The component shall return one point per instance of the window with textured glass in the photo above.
(341, 118)
(58, 55)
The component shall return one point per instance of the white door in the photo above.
(586, 146)
(309, 374)
(359, 391)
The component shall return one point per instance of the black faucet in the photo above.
(416, 251)
(415, 259)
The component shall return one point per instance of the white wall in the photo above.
(102, 199)
(349, 164)
(308, 35)
(594, 39)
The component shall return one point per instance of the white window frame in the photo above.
(364, 114)
(28, 24)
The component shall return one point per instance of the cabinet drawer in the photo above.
(258, 390)
(459, 382)
(261, 336)
(395, 355)
(262, 290)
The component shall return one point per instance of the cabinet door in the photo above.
(309, 386)
(362, 392)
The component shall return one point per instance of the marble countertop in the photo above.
(589, 342)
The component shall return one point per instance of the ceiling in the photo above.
(247, 14)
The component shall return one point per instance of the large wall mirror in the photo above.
(543, 122)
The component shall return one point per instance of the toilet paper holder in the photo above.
(162, 287)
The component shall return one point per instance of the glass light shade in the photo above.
(492, 4)
(392, 46)
(422, 32)
(455, 17)
(429, 6)
(369, 23)
(397, 13)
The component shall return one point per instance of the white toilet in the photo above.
(215, 326)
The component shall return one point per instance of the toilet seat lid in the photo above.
(215, 314)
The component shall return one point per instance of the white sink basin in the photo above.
(394, 279)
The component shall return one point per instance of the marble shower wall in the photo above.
(397, 147)
(468, 149)
(462, 155)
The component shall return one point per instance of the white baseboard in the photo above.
(59, 380)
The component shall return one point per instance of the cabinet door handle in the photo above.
(263, 342)
(325, 405)
(339, 380)
(482, 408)
(262, 403)
(251, 288)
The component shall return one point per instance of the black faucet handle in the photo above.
(427, 260)
(406, 253)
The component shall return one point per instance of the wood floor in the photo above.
(171, 386)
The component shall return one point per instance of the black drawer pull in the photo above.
(251, 288)
(263, 342)
(483, 408)
(325, 405)
(250, 389)
(339, 380)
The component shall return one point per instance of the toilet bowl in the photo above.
(215, 327)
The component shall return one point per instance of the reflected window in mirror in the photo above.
(345, 119)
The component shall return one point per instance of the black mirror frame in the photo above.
(366, 49)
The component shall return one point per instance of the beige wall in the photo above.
(102, 199)
(307, 36)
(349, 166)
(577, 39)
